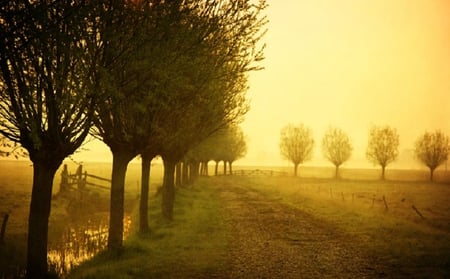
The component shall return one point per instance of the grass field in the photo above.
(193, 243)
(15, 194)
(404, 221)
(397, 235)
(378, 214)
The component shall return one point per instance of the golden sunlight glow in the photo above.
(349, 64)
(352, 64)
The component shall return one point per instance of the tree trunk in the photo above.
(205, 165)
(295, 169)
(231, 167)
(178, 174)
(202, 169)
(431, 174)
(145, 186)
(216, 169)
(336, 172)
(194, 170)
(383, 172)
(185, 175)
(43, 174)
(119, 169)
(168, 189)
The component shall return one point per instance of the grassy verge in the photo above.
(396, 235)
(194, 243)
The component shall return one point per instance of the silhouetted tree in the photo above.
(46, 97)
(336, 147)
(146, 158)
(235, 146)
(215, 74)
(122, 121)
(432, 149)
(382, 148)
(296, 144)
(227, 144)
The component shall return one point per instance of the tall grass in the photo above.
(396, 233)
(194, 243)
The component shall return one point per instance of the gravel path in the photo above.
(272, 240)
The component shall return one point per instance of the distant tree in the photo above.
(227, 145)
(46, 96)
(382, 148)
(296, 144)
(235, 146)
(336, 147)
(432, 149)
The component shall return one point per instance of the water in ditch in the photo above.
(80, 242)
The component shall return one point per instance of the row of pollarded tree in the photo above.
(146, 77)
(296, 145)
(227, 145)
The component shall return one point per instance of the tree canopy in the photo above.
(336, 147)
(432, 149)
(46, 95)
(382, 148)
(296, 144)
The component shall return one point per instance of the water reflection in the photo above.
(80, 242)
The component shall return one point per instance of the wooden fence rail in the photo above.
(258, 172)
(81, 179)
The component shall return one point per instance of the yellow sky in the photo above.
(350, 64)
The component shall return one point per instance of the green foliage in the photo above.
(193, 243)
(227, 144)
(46, 95)
(45, 82)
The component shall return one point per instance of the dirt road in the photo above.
(272, 240)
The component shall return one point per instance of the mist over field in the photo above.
(225, 139)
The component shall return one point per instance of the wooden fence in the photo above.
(258, 172)
(81, 179)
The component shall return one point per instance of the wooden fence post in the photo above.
(418, 212)
(64, 185)
(2, 232)
(385, 203)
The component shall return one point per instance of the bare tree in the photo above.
(336, 147)
(432, 149)
(296, 144)
(46, 96)
(382, 148)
